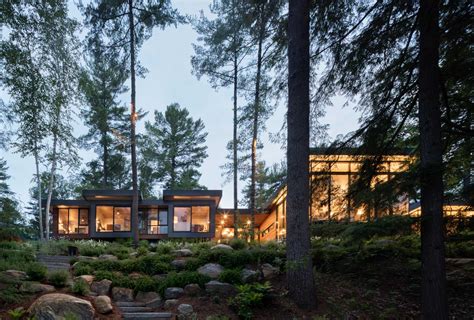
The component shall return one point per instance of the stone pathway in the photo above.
(54, 263)
(138, 310)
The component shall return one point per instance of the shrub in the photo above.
(16, 314)
(249, 296)
(58, 278)
(36, 272)
(142, 251)
(192, 264)
(460, 249)
(238, 244)
(80, 287)
(9, 234)
(181, 279)
(232, 276)
(236, 259)
(82, 268)
(386, 226)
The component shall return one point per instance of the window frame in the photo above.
(78, 220)
(191, 218)
(113, 218)
(148, 224)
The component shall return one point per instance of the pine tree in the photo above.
(102, 83)
(10, 217)
(174, 148)
(126, 25)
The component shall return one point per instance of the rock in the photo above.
(178, 264)
(173, 293)
(58, 305)
(248, 275)
(135, 275)
(155, 303)
(269, 271)
(159, 277)
(103, 304)
(108, 257)
(460, 261)
(170, 303)
(146, 296)
(15, 274)
(36, 287)
(220, 288)
(87, 278)
(86, 258)
(122, 294)
(192, 289)
(185, 311)
(183, 253)
(102, 287)
(212, 270)
(133, 254)
(222, 246)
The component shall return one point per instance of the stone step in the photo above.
(147, 315)
(135, 309)
(54, 259)
(129, 304)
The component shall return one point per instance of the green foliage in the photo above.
(19, 258)
(192, 264)
(81, 287)
(463, 249)
(141, 283)
(249, 296)
(17, 313)
(82, 269)
(238, 244)
(181, 279)
(58, 278)
(232, 276)
(36, 271)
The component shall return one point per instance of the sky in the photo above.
(167, 57)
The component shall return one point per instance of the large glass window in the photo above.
(73, 221)
(153, 221)
(110, 219)
(195, 219)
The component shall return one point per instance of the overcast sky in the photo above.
(167, 57)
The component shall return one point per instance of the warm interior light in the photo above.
(360, 212)
(248, 222)
(225, 216)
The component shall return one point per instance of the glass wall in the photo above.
(191, 219)
(112, 219)
(73, 221)
(153, 221)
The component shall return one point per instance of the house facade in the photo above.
(106, 214)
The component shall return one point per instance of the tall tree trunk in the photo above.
(255, 129)
(105, 159)
(300, 268)
(38, 182)
(51, 179)
(434, 303)
(234, 146)
(133, 120)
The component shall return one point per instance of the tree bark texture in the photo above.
(300, 268)
(434, 303)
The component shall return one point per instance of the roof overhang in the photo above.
(92, 195)
(190, 195)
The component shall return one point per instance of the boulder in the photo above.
(135, 275)
(86, 258)
(185, 312)
(86, 277)
(36, 287)
(15, 274)
(155, 303)
(192, 289)
(212, 270)
(248, 275)
(54, 306)
(146, 296)
(179, 264)
(173, 293)
(269, 271)
(215, 287)
(159, 277)
(108, 257)
(222, 246)
(170, 303)
(122, 294)
(183, 253)
(102, 288)
(103, 304)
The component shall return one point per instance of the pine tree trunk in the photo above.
(300, 268)
(234, 146)
(434, 303)
(51, 181)
(38, 181)
(255, 131)
(133, 119)
(105, 159)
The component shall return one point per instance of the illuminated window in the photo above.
(73, 221)
(110, 219)
(153, 221)
(195, 219)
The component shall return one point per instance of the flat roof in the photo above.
(187, 195)
(108, 194)
(335, 150)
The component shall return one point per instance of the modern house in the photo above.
(102, 214)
